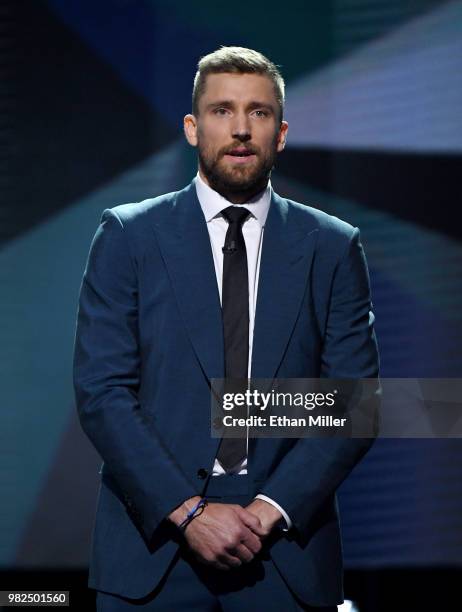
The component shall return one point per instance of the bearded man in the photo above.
(223, 279)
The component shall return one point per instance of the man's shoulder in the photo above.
(153, 208)
(329, 226)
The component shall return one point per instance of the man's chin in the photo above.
(240, 178)
(238, 184)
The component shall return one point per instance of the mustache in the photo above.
(239, 145)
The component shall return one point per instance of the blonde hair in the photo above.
(238, 60)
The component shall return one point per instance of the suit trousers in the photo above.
(191, 586)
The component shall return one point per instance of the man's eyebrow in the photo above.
(251, 105)
(257, 104)
(227, 103)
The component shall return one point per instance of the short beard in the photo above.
(235, 185)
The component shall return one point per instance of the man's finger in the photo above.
(216, 563)
(220, 566)
(243, 552)
(252, 542)
(229, 559)
(252, 521)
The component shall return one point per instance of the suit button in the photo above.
(202, 473)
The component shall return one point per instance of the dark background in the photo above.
(91, 106)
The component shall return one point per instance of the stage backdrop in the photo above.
(91, 115)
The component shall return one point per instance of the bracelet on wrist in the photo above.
(194, 513)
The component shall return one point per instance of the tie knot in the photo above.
(235, 214)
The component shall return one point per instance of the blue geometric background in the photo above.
(93, 110)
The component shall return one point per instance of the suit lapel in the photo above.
(287, 251)
(184, 242)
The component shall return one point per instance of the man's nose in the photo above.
(241, 128)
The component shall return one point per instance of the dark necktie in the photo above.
(235, 312)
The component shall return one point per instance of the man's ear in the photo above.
(282, 136)
(190, 129)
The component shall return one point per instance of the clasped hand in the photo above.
(227, 535)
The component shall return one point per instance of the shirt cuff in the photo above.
(285, 516)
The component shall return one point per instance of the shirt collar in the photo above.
(212, 203)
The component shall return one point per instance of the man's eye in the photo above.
(220, 111)
(261, 113)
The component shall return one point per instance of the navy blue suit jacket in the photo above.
(149, 339)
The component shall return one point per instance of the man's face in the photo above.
(237, 132)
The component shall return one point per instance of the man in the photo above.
(223, 278)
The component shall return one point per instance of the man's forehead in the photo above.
(238, 85)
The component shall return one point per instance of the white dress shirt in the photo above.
(212, 204)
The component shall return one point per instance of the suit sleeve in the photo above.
(107, 378)
(313, 469)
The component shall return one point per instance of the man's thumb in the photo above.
(252, 521)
